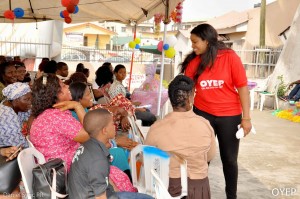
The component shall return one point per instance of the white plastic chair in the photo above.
(135, 131)
(263, 95)
(144, 129)
(165, 109)
(29, 142)
(261, 86)
(158, 161)
(161, 191)
(28, 159)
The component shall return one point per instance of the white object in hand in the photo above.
(240, 133)
(148, 106)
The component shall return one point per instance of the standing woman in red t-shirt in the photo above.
(222, 95)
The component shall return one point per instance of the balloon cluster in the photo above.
(135, 44)
(168, 46)
(176, 15)
(157, 20)
(12, 14)
(71, 8)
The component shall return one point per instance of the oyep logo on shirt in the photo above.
(211, 84)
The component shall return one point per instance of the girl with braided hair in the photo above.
(190, 136)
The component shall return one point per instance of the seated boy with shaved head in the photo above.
(89, 174)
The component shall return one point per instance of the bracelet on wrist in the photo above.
(246, 118)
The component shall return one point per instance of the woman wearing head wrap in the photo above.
(14, 110)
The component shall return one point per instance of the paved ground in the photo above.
(269, 162)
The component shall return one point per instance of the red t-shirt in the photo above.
(216, 91)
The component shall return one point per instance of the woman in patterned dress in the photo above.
(13, 111)
(54, 132)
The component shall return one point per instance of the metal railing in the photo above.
(24, 48)
(89, 54)
(259, 63)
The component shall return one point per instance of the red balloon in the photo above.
(66, 13)
(65, 3)
(75, 2)
(160, 46)
(9, 14)
(71, 8)
(68, 20)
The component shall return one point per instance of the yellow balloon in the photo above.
(132, 44)
(137, 40)
(170, 53)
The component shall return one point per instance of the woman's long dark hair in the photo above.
(77, 90)
(208, 33)
(104, 75)
(44, 93)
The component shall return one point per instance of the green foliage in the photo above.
(282, 88)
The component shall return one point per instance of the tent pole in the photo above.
(166, 22)
(132, 57)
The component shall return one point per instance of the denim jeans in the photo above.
(133, 195)
(295, 93)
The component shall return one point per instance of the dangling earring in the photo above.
(191, 105)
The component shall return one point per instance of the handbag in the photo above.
(10, 175)
(50, 180)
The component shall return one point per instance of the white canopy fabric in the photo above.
(89, 10)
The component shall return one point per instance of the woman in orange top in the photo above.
(222, 95)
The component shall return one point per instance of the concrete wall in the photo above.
(102, 40)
